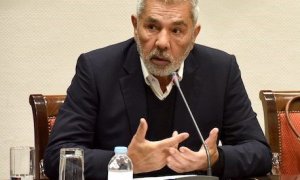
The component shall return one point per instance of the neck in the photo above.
(163, 82)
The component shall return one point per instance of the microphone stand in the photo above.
(209, 172)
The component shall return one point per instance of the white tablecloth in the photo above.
(163, 177)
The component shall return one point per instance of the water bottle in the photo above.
(120, 165)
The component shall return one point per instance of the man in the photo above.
(123, 95)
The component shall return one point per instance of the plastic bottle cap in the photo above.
(120, 149)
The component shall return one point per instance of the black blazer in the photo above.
(106, 100)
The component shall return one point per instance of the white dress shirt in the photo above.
(154, 83)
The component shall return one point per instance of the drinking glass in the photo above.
(22, 163)
(71, 165)
(275, 164)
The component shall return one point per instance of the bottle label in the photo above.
(117, 175)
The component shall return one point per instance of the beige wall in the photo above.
(41, 40)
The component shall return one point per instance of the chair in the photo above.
(44, 110)
(279, 133)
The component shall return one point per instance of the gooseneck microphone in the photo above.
(176, 82)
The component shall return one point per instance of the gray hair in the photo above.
(195, 8)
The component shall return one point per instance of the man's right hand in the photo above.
(147, 155)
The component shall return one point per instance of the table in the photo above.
(269, 177)
(279, 177)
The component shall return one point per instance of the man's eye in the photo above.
(152, 27)
(176, 31)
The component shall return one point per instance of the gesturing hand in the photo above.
(186, 160)
(147, 155)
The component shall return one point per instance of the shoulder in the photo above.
(211, 58)
(112, 51)
(112, 56)
(210, 53)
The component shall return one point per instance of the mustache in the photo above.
(156, 53)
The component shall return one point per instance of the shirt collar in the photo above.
(146, 72)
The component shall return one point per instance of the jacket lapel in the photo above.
(191, 88)
(133, 89)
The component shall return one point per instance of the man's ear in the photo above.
(134, 22)
(196, 31)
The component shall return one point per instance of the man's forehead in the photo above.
(172, 1)
(175, 22)
(151, 12)
(169, 1)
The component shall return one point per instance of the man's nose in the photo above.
(163, 40)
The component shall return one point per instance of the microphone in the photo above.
(209, 172)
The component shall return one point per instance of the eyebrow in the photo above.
(176, 23)
(151, 20)
(179, 23)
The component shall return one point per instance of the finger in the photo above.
(142, 130)
(176, 161)
(177, 155)
(211, 141)
(169, 142)
(174, 168)
(175, 133)
(196, 160)
(188, 154)
(172, 164)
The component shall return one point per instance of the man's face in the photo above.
(165, 34)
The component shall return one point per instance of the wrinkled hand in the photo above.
(147, 155)
(185, 160)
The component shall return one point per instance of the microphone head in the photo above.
(174, 76)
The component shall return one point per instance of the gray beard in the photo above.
(166, 70)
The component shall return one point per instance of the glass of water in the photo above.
(275, 164)
(22, 163)
(71, 165)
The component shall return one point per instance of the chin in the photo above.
(161, 74)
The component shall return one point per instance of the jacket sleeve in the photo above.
(246, 152)
(75, 125)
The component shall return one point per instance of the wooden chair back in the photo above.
(278, 130)
(44, 109)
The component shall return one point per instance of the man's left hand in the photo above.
(185, 160)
